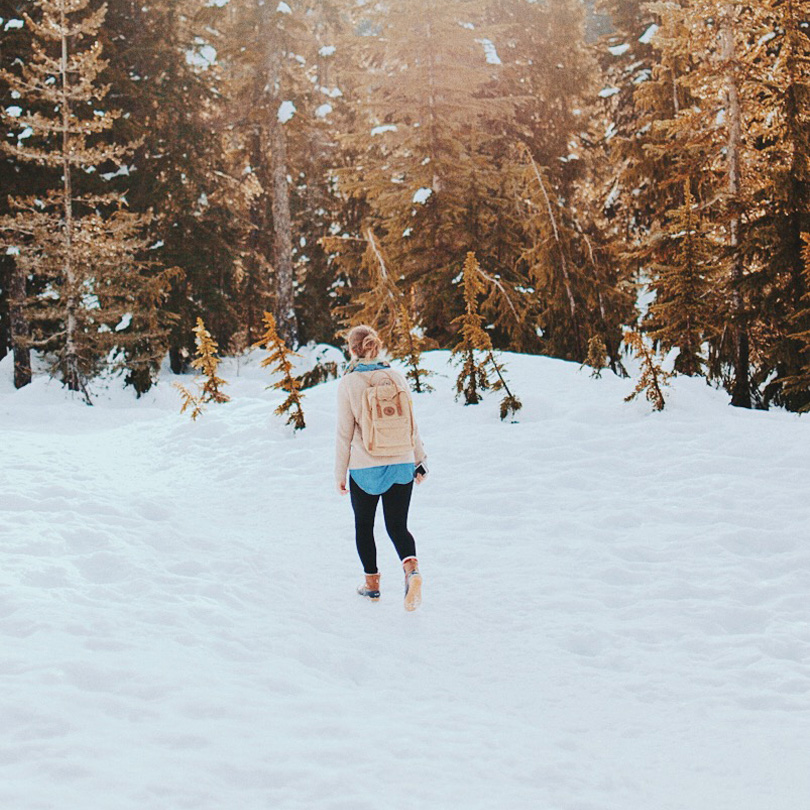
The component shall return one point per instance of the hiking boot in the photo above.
(371, 588)
(413, 583)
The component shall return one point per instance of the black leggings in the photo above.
(396, 501)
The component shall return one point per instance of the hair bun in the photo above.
(364, 341)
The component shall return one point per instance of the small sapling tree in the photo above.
(510, 404)
(597, 357)
(473, 377)
(207, 363)
(279, 361)
(653, 378)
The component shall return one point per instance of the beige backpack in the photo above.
(387, 423)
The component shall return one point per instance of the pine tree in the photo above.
(580, 288)
(382, 304)
(653, 378)
(680, 312)
(191, 402)
(776, 282)
(701, 113)
(510, 404)
(473, 377)
(426, 144)
(409, 350)
(279, 361)
(728, 23)
(266, 53)
(798, 385)
(597, 355)
(16, 179)
(84, 246)
(164, 77)
(207, 363)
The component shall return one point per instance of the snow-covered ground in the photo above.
(615, 608)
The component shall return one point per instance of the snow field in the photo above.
(615, 607)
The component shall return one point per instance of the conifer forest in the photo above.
(582, 179)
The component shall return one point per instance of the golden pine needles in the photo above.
(597, 355)
(207, 363)
(279, 360)
(653, 378)
(473, 377)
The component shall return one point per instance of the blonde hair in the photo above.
(364, 342)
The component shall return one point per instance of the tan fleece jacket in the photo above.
(350, 454)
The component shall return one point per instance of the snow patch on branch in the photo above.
(202, 55)
(647, 36)
(286, 110)
(384, 128)
(490, 52)
(125, 321)
(422, 195)
(618, 50)
(283, 8)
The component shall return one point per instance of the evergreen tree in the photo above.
(164, 77)
(429, 119)
(382, 304)
(16, 178)
(510, 404)
(653, 378)
(473, 377)
(279, 361)
(798, 385)
(780, 129)
(267, 60)
(580, 289)
(704, 111)
(680, 312)
(409, 350)
(84, 246)
(207, 363)
(597, 355)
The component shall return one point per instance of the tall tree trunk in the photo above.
(741, 387)
(19, 328)
(566, 277)
(256, 260)
(282, 231)
(286, 320)
(73, 378)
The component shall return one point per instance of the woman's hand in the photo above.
(419, 478)
(341, 487)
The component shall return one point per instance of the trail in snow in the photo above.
(615, 609)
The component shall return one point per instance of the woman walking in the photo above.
(378, 464)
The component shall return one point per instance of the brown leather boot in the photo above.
(371, 588)
(413, 583)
